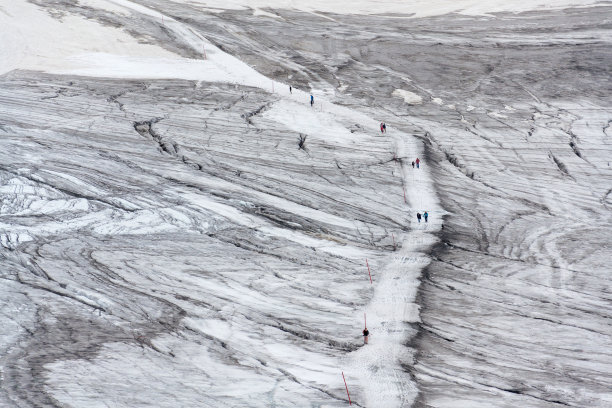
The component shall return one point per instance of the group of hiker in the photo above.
(425, 216)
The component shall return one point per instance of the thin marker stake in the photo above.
(346, 386)
(368, 265)
(393, 236)
(365, 321)
(405, 202)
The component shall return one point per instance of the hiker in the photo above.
(425, 215)
(290, 91)
(366, 334)
(419, 216)
(384, 127)
(413, 164)
(311, 100)
(417, 162)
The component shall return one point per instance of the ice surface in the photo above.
(166, 242)
(416, 8)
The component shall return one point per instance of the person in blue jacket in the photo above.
(425, 215)
(311, 100)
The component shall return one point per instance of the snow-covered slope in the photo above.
(166, 241)
(216, 247)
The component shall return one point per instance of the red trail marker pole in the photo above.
(405, 202)
(346, 386)
(365, 321)
(393, 236)
(368, 265)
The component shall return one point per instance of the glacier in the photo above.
(178, 228)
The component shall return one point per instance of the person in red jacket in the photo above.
(417, 161)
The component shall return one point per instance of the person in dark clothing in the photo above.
(417, 162)
(413, 164)
(311, 100)
(419, 216)
(384, 127)
(425, 215)
(366, 334)
(290, 89)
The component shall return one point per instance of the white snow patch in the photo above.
(498, 115)
(78, 46)
(121, 66)
(260, 12)
(31, 39)
(409, 97)
(437, 101)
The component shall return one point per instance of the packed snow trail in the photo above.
(381, 364)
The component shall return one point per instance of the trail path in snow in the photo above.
(381, 365)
